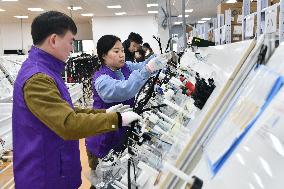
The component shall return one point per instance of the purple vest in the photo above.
(42, 159)
(101, 144)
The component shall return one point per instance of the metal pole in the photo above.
(170, 23)
(184, 24)
(71, 9)
(281, 21)
(246, 11)
(65, 72)
(22, 34)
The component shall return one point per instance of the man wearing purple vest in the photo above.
(116, 82)
(46, 125)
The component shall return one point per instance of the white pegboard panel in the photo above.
(281, 21)
(217, 36)
(246, 7)
(246, 11)
(228, 17)
(220, 18)
(249, 26)
(270, 21)
(261, 4)
(215, 23)
(266, 19)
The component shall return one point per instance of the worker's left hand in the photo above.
(157, 63)
(167, 55)
(119, 108)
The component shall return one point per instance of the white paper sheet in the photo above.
(243, 109)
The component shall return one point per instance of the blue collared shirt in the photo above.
(112, 90)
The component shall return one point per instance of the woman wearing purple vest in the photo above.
(116, 82)
(45, 124)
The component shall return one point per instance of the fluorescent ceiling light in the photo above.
(88, 14)
(231, 1)
(114, 7)
(152, 5)
(21, 16)
(201, 22)
(184, 15)
(206, 19)
(35, 9)
(74, 8)
(177, 23)
(9, 0)
(152, 12)
(120, 13)
(189, 10)
(2, 10)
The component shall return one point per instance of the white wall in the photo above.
(84, 31)
(164, 36)
(10, 35)
(163, 32)
(121, 26)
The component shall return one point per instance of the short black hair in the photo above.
(51, 22)
(146, 45)
(135, 37)
(104, 44)
(142, 54)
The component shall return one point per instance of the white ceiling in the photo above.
(202, 8)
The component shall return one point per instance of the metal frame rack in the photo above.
(266, 19)
(221, 29)
(222, 34)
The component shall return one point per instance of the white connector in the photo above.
(177, 172)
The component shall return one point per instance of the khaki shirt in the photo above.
(43, 99)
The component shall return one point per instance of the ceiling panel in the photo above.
(202, 8)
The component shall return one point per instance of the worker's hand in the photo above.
(129, 117)
(158, 62)
(119, 108)
(167, 55)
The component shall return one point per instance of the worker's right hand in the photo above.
(157, 63)
(119, 108)
(129, 117)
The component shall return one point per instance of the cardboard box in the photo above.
(236, 32)
(236, 39)
(236, 29)
(274, 2)
(236, 10)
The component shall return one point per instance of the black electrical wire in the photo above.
(159, 42)
(80, 70)
(154, 107)
(128, 173)
(134, 172)
(139, 105)
(168, 44)
(203, 90)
